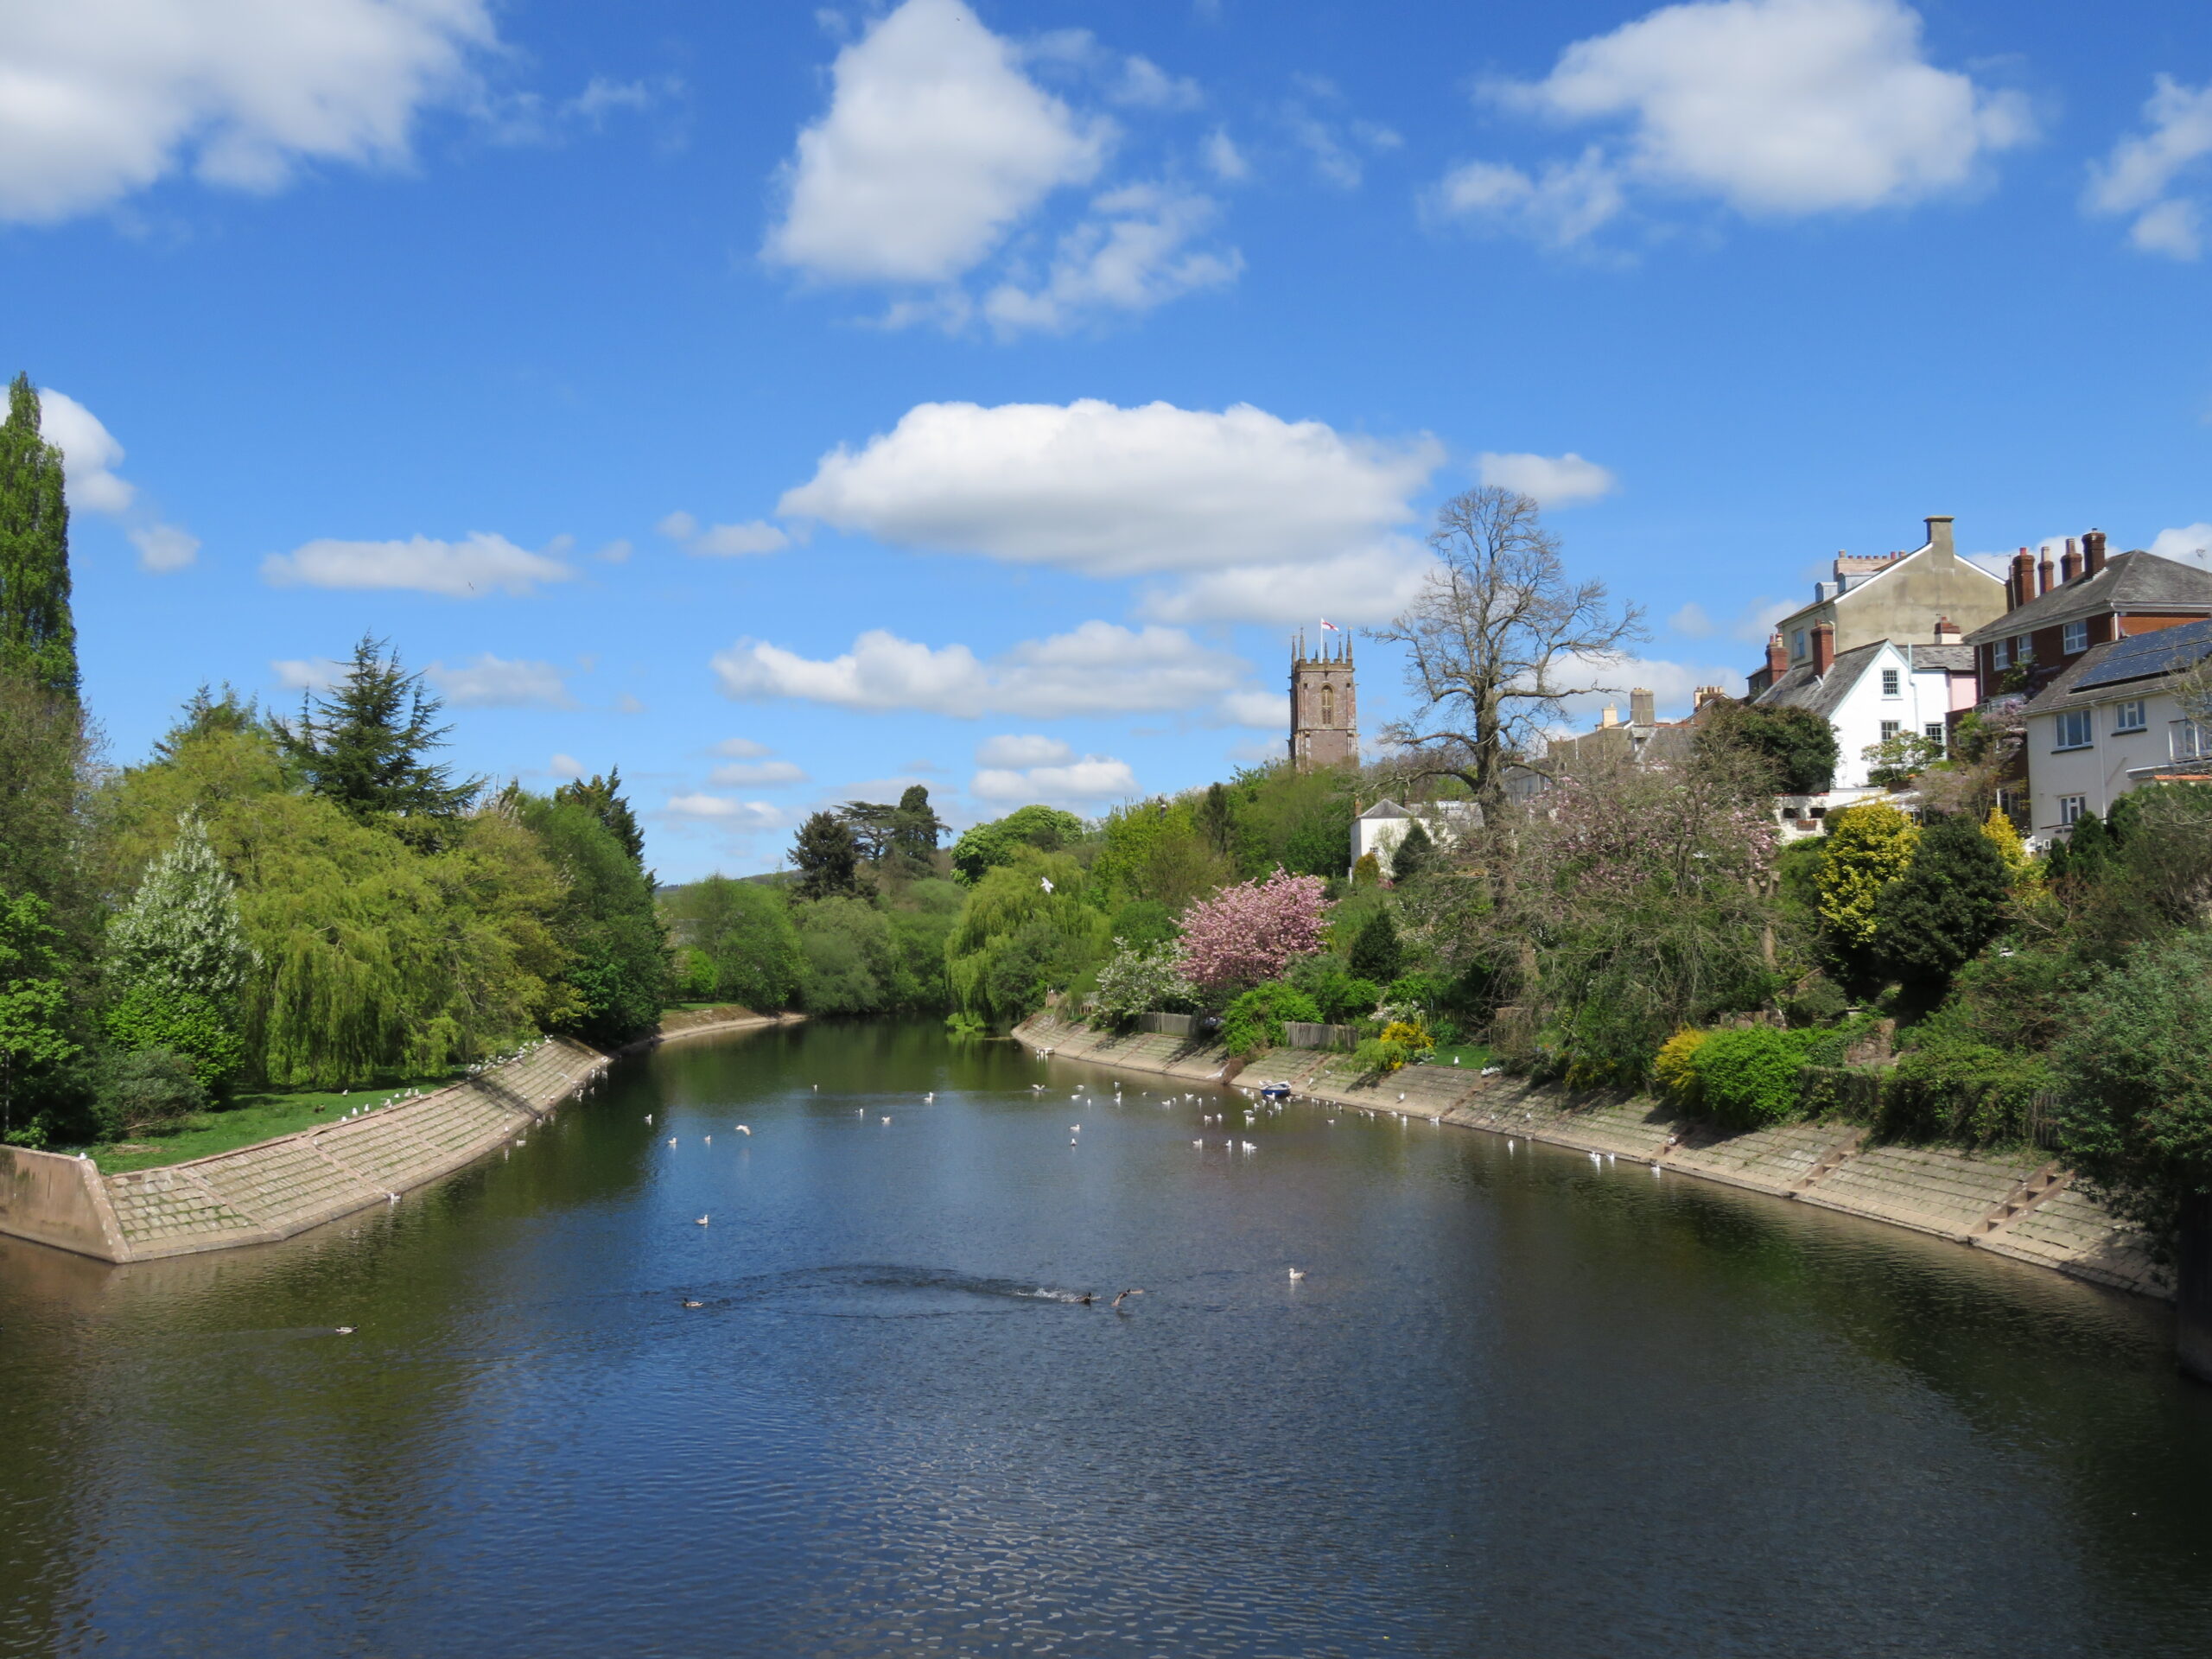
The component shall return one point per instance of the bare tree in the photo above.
(1496, 642)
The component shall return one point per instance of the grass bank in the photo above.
(261, 1115)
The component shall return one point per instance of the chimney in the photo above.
(1612, 718)
(1823, 648)
(2046, 573)
(1777, 657)
(1947, 632)
(2024, 578)
(2093, 552)
(2070, 566)
(1939, 534)
(1642, 707)
(1706, 693)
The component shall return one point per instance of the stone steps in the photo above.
(1923, 1187)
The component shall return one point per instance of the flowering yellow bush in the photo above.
(1411, 1033)
(1675, 1067)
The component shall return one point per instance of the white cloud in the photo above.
(1110, 492)
(1693, 620)
(741, 748)
(1254, 707)
(1223, 159)
(2190, 545)
(102, 98)
(482, 564)
(1339, 149)
(492, 682)
(1145, 85)
(1554, 481)
(565, 766)
(163, 547)
(1752, 624)
(90, 455)
(1017, 750)
(716, 808)
(1370, 584)
(1099, 668)
(741, 772)
(1776, 107)
(616, 551)
(628, 704)
(1128, 255)
(1672, 686)
(722, 541)
(309, 673)
(935, 143)
(2138, 176)
(1094, 779)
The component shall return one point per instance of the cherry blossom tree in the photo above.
(1249, 933)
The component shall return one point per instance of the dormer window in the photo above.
(2075, 639)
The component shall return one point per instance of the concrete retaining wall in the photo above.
(2027, 1209)
(57, 1200)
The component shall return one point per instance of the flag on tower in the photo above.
(1329, 627)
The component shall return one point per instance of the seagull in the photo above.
(931, 1096)
(1297, 1274)
(710, 1140)
(1594, 1158)
(887, 1120)
(688, 1303)
(671, 1140)
(1075, 1129)
(701, 1221)
(1248, 1146)
(1118, 1300)
(741, 1128)
(1199, 1144)
(1654, 1169)
(649, 1117)
(343, 1331)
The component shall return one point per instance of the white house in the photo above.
(2111, 723)
(1869, 695)
(1383, 825)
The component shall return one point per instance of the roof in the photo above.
(2129, 583)
(1386, 808)
(1957, 660)
(2099, 673)
(1802, 688)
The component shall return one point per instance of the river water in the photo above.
(1518, 1406)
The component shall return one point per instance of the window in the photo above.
(1889, 687)
(2074, 638)
(2129, 716)
(2071, 807)
(2024, 648)
(1933, 731)
(1889, 729)
(2191, 742)
(2074, 731)
(1328, 705)
(2000, 656)
(1797, 642)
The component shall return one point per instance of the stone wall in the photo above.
(2027, 1208)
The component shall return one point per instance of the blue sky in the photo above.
(786, 403)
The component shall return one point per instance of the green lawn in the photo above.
(252, 1118)
(1468, 1054)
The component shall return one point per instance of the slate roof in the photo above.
(2185, 644)
(2129, 583)
(1386, 808)
(1957, 660)
(1801, 689)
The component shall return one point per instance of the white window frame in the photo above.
(2140, 710)
(2000, 655)
(2074, 728)
(2075, 637)
(1892, 683)
(2024, 648)
(2072, 809)
(1933, 731)
(1892, 730)
(2188, 741)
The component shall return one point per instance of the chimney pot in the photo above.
(1777, 657)
(1947, 632)
(2046, 575)
(1611, 718)
(2093, 552)
(2024, 578)
(1823, 648)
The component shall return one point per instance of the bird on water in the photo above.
(1297, 1274)
(703, 1220)
(1117, 1301)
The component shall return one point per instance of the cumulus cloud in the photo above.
(482, 564)
(741, 772)
(307, 673)
(1253, 706)
(935, 143)
(102, 98)
(1016, 750)
(2190, 545)
(717, 809)
(1130, 254)
(1778, 108)
(2138, 177)
(90, 455)
(489, 681)
(1371, 584)
(722, 541)
(1110, 492)
(1554, 481)
(1094, 779)
(1673, 685)
(1223, 159)
(163, 547)
(565, 766)
(1145, 85)
(1099, 668)
(741, 748)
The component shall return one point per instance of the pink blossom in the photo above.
(1248, 933)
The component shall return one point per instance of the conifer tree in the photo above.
(605, 799)
(826, 856)
(178, 958)
(362, 743)
(1375, 952)
(1414, 855)
(1947, 904)
(37, 637)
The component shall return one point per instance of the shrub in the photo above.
(138, 1091)
(1675, 1067)
(1255, 1021)
(1341, 997)
(1410, 1035)
(1867, 847)
(1421, 991)
(1379, 1056)
(1367, 872)
(1749, 1077)
(1954, 1088)
(1141, 980)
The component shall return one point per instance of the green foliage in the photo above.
(46, 837)
(1254, 1019)
(38, 640)
(966, 1027)
(1797, 747)
(1421, 991)
(1014, 940)
(1748, 1077)
(1368, 872)
(1950, 1088)
(2136, 1070)
(1142, 979)
(847, 962)
(179, 958)
(34, 1002)
(740, 942)
(1156, 850)
(202, 1033)
(145, 1090)
(1674, 1069)
(602, 797)
(362, 745)
(1866, 848)
(606, 924)
(1342, 997)
(1375, 952)
(826, 855)
(988, 846)
(1143, 923)
(1818, 1001)
(1379, 1056)
(1415, 855)
(1946, 906)
(1895, 762)
(1299, 820)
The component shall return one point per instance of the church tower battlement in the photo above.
(1324, 706)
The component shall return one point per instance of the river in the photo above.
(1518, 1406)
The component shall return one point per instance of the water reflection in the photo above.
(1518, 1405)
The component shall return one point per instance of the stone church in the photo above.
(1324, 708)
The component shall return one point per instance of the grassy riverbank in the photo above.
(252, 1118)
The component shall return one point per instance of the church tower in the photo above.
(1324, 712)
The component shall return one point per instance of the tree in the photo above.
(827, 858)
(990, 845)
(1895, 762)
(915, 831)
(1868, 846)
(605, 923)
(1415, 855)
(362, 744)
(1017, 938)
(47, 750)
(179, 959)
(1797, 746)
(744, 933)
(1251, 932)
(1946, 906)
(1142, 979)
(34, 1001)
(1496, 642)
(1375, 952)
(846, 962)
(2005, 836)
(602, 797)
(38, 640)
(205, 712)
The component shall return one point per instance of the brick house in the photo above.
(2108, 721)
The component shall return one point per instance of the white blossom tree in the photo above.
(178, 958)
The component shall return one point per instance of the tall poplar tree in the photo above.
(37, 638)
